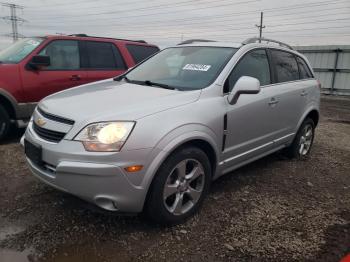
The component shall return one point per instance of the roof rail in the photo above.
(190, 41)
(85, 35)
(258, 39)
(79, 35)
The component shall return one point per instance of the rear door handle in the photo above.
(303, 93)
(75, 78)
(273, 101)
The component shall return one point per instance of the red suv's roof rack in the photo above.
(85, 35)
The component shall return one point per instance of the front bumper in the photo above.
(99, 178)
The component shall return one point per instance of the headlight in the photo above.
(105, 136)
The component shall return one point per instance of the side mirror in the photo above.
(39, 61)
(244, 85)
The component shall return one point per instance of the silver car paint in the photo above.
(165, 119)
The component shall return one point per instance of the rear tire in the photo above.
(179, 187)
(5, 123)
(302, 143)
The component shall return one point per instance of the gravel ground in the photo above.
(272, 210)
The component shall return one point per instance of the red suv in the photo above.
(34, 68)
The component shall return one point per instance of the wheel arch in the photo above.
(312, 113)
(199, 139)
(7, 102)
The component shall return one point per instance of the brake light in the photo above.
(319, 84)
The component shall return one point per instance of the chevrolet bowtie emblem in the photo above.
(40, 122)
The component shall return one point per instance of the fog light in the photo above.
(132, 169)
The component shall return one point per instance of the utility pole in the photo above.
(261, 26)
(14, 19)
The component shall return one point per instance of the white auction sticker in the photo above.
(196, 67)
(33, 42)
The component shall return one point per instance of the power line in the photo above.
(206, 19)
(14, 19)
(223, 24)
(133, 9)
(208, 34)
(62, 4)
(224, 28)
(151, 14)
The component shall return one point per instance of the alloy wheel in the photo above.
(184, 186)
(306, 140)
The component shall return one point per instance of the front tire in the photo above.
(302, 143)
(5, 123)
(179, 187)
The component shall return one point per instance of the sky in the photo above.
(168, 22)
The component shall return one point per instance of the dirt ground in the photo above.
(272, 210)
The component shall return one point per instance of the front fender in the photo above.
(172, 141)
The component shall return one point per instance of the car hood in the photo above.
(111, 100)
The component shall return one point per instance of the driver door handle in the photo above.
(75, 78)
(303, 93)
(273, 101)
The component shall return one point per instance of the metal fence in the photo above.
(331, 65)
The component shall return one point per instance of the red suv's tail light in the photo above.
(319, 84)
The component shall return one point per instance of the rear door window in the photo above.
(102, 55)
(255, 64)
(64, 55)
(304, 69)
(285, 66)
(140, 52)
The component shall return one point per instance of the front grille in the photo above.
(56, 118)
(49, 135)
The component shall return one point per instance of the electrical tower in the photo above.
(14, 20)
(261, 26)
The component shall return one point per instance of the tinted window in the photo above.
(285, 65)
(304, 70)
(140, 53)
(254, 64)
(64, 55)
(104, 56)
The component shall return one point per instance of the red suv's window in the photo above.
(102, 55)
(140, 52)
(64, 55)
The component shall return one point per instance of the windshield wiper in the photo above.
(151, 83)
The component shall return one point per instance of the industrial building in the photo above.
(331, 64)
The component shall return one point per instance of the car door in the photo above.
(287, 94)
(307, 82)
(250, 131)
(104, 60)
(64, 71)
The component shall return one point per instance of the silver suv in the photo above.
(155, 138)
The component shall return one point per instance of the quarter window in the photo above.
(64, 55)
(103, 55)
(285, 65)
(254, 64)
(304, 70)
(140, 52)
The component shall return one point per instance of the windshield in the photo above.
(19, 50)
(184, 68)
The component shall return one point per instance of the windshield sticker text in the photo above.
(196, 67)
